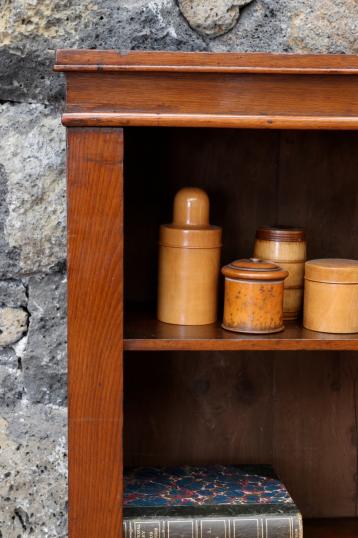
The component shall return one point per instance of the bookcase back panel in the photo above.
(302, 178)
(293, 409)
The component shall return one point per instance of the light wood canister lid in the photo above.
(332, 270)
(254, 269)
(280, 233)
(190, 227)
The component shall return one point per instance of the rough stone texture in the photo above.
(11, 389)
(12, 293)
(32, 152)
(8, 358)
(331, 25)
(33, 460)
(13, 325)
(44, 359)
(9, 256)
(212, 17)
(32, 202)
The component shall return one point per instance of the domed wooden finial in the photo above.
(191, 207)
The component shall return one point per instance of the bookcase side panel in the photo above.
(95, 331)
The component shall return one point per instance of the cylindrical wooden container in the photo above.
(253, 296)
(285, 246)
(331, 296)
(189, 262)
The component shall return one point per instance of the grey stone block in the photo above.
(44, 359)
(26, 74)
(11, 390)
(32, 160)
(12, 293)
(8, 358)
(33, 469)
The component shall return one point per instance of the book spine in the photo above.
(285, 526)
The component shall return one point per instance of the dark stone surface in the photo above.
(12, 293)
(17, 80)
(44, 361)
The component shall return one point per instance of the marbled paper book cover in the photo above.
(216, 501)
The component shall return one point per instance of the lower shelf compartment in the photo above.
(331, 528)
(143, 332)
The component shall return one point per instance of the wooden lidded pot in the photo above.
(253, 296)
(189, 262)
(286, 246)
(331, 296)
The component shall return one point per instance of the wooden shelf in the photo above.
(331, 528)
(144, 333)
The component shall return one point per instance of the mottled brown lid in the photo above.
(254, 269)
(332, 270)
(280, 233)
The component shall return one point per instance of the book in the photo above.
(215, 501)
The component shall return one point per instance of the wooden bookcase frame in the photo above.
(107, 91)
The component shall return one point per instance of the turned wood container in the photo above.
(253, 300)
(331, 296)
(285, 246)
(189, 262)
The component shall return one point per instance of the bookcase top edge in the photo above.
(212, 62)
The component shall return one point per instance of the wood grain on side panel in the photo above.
(95, 332)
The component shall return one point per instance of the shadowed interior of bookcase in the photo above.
(296, 410)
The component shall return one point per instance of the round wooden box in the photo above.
(253, 296)
(189, 262)
(331, 296)
(285, 246)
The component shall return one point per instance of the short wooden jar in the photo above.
(287, 247)
(253, 296)
(189, 262)
(331, 296)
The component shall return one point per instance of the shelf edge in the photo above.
(122, 119)
(237, 345)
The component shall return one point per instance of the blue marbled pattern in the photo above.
(212, 485)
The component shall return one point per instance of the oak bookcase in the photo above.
(286, 150)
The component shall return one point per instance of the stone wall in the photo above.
(32, 198)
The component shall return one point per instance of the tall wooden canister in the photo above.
(331, 296)
(189, 262)
(285, 246)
